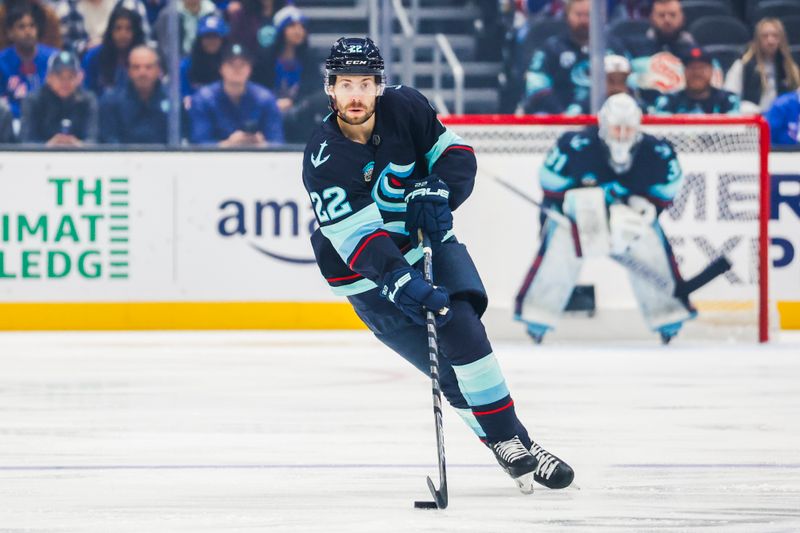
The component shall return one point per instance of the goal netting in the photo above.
(722, 207)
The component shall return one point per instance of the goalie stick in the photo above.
(683, 288)
(439, 495)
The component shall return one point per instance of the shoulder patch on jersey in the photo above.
(578, 142)
(318, 160)
(663, 150)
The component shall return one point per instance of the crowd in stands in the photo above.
(92, 71)
(77, 72)
(669, 66)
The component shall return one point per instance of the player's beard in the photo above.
(368, 112)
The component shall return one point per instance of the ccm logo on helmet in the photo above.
(355, 62)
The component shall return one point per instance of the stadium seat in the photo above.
(719, 30)
(696, 9)
(539, 30)
(725, 54)
(775, 8)
(796, 54)
(628, 28)
(792, 26)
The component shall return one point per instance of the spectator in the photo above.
(558, 78)
(765, 70)
(655, 56)
(106, 65)
(235, 112)
(251, 22)
(784, 119)
(202, 65)
(24, 64)
(618, 71)
(290, 71)
(84, 22)
(61, 113)
(699, 96)
(44, 16)
(6, 125)
(137, 114)
(190, 12)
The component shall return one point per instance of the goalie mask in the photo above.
(356, 56)
(620, 121)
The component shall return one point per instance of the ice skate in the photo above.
(517, 461)
(550, 471)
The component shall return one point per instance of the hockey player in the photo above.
(378, 168)
(632, 176)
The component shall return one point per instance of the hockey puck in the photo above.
(425, 505)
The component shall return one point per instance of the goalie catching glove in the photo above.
(428, 208)
(414, 296)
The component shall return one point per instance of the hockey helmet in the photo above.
(353, 55)
(620, 122)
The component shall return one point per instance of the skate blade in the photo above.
(525, 483)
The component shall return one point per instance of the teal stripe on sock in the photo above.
(467, 416)
(481, 382)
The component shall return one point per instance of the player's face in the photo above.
(698, 76)
(616, 83)
(355, 98)
(667, 17)
(578, 19)
(622, 134)
(768, 39)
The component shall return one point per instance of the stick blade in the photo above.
(425, 505)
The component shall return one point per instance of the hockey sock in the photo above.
(484, 388)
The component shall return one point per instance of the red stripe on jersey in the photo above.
(343, 278)
(458, 147)
(364, 244)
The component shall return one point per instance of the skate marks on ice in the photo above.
(330, 432)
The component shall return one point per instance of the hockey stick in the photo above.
(714, 269)
(440, 495)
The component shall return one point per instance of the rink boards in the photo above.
(194, 240)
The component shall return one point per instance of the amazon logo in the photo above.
(277, 229)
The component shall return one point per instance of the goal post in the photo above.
(726, 187)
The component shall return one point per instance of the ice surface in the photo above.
(322, 432)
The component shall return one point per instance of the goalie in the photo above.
(604, 188)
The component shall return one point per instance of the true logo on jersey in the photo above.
(318, 159)
(567, 59)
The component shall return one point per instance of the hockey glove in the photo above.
(406, 289)
(428, 208)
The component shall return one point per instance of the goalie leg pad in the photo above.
(551, 279)
(659, 307)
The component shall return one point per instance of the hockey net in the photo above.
(722, 207)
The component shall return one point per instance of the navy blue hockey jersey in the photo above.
(558, 79)
(580, 159)
(357, 190)
(719, 101)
